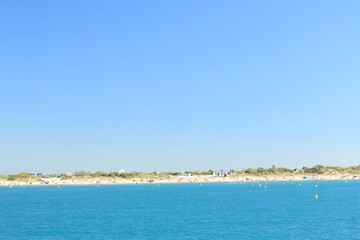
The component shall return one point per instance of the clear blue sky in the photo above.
(178, 85)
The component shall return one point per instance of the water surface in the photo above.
(282, 210)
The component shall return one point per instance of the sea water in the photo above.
(281, 210)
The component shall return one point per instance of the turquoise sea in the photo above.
(282, 210)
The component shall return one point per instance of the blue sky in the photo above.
(178, 85)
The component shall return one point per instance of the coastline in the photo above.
(178, 179)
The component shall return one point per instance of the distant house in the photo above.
(122, 171)
(186, 174)
(220, 173)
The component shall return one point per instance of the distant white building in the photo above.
(122, 171)
(186, 174)
(220, 173)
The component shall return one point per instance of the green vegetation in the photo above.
(20, 176)
(270, 171)
(317, 169)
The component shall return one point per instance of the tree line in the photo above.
(317, 169)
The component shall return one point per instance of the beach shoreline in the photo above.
(177, 179)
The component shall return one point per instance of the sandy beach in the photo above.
(176, 179)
